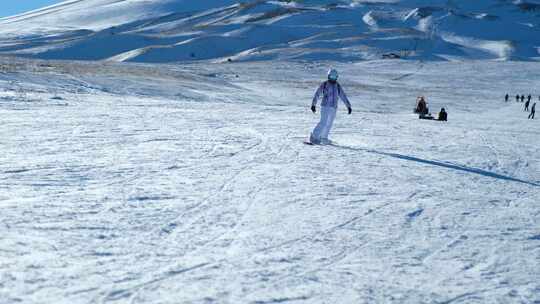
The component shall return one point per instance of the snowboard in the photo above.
(329, 143)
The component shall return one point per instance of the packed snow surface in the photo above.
(125, 183)
(180, 30)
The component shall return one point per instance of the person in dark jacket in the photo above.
(443, 115)
(506, 97)
(529, 98)
(522, 98)
(526, 109)
(421, 106)
(533, 110)
(517, 98)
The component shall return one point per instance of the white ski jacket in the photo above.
(331, 92)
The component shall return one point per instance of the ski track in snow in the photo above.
(190, 184)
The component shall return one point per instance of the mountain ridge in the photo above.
(177, 30)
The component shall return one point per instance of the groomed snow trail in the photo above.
(190, 184)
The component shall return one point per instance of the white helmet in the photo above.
(333, 74)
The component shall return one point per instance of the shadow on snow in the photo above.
(442, 164)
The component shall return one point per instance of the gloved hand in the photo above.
(313, 109)
(350, 110)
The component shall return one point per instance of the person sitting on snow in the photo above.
(331, 91)
(443, 116)
(421, 106)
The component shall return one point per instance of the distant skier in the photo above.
(506, 97)
(443, 116)
(522, 98)
(526, 109)
(517, 98)
(533, 110)
(529, 98)
(331, 91)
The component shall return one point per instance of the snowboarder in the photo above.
(331, 91)
(506, 97)
(527, 105)
(522, 98)
(443, 116)
(533, 110)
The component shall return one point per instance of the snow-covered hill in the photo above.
(182, 30)
(131, 183)
(125, 181)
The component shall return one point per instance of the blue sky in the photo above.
(13, 7)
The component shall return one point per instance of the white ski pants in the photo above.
(321, 131)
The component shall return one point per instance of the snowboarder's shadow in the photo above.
(440, 164)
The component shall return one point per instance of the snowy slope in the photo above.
(123, 183)
(99, 14)
(180, 30)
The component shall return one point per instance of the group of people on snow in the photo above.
(518, 98)
(331, 91)
(527, 103)
(422, 110)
